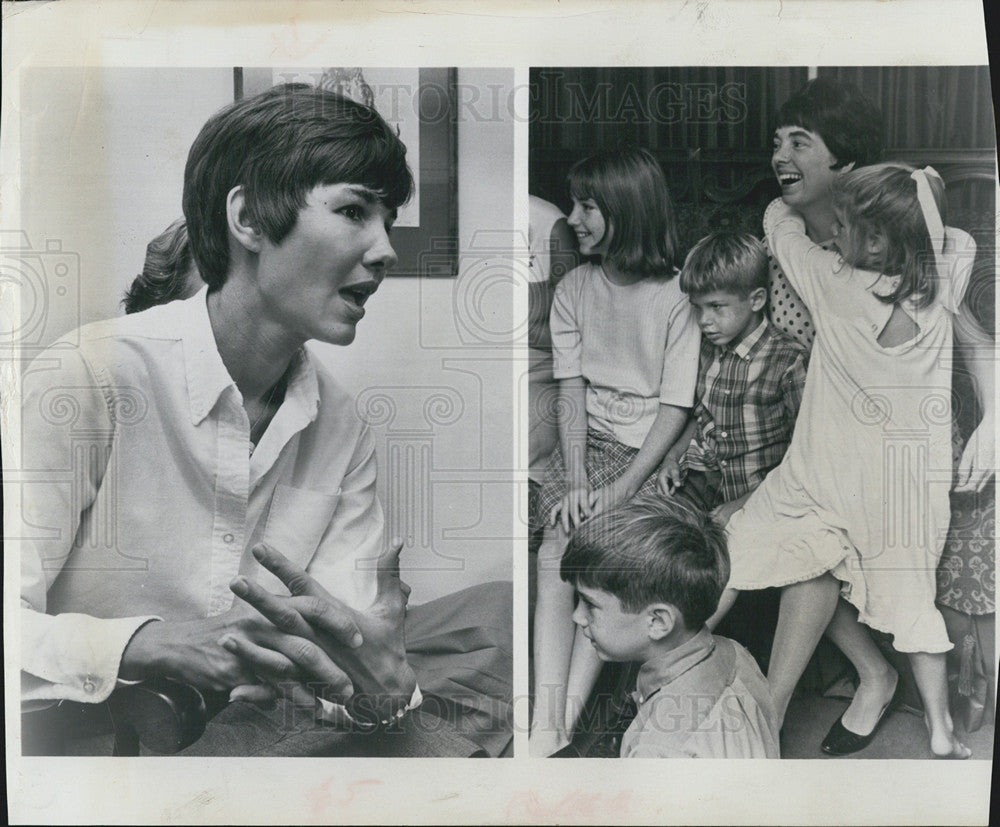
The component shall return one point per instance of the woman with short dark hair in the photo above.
(219, 457)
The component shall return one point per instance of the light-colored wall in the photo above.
(431, 364)
(103, 155)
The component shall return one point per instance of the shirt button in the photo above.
(227, 538)
(722, 462)
(723, 434)
(88, 685)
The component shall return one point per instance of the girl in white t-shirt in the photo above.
(859, 507)
(625, 347)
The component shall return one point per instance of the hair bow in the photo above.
(932, 215)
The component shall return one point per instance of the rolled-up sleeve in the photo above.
(67, 656)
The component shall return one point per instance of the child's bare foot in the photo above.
(870, 701)
(944, 744)
(544, 741)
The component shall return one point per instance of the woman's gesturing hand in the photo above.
(197, 651)
(369, 646)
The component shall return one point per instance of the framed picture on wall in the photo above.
(421, 105)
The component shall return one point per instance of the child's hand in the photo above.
(978, 460)
(608, 496)
(573, 509)
(669, 479)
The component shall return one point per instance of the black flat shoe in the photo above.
(841, 741)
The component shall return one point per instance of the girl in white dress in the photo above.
(859, 506)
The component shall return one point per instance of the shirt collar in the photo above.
(299, 408)
(208, 378)
(669, 666)
(748, 345)
(303, 386)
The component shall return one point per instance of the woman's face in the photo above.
(317, 280)
(802, 164)
(591, 230)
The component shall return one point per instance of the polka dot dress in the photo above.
(788, 312)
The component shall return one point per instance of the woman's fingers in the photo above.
(282, 658)
(332, 617)
(387, 572)
(310, 664)
(259, 694)
(294, 577)
(322, 673)
(279, 610)
(302, 616)
(266, 664)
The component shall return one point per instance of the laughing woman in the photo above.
(823, 131)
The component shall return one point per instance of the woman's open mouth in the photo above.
(358, 294)
(787, 179)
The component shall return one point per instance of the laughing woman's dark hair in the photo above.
(278, 146)
(630, 190)
(846, 119)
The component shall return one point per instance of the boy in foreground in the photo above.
(648, 575)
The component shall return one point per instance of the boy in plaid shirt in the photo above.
(750, 380)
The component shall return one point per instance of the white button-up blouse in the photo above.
(141, 499)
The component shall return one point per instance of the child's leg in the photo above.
(725, 604)
(553, 645)
(584, 669)
(806, 609)
(931, 675)
(877, 680)
(704, 490)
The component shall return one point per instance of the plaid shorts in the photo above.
(702, 489)
(606, 460)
